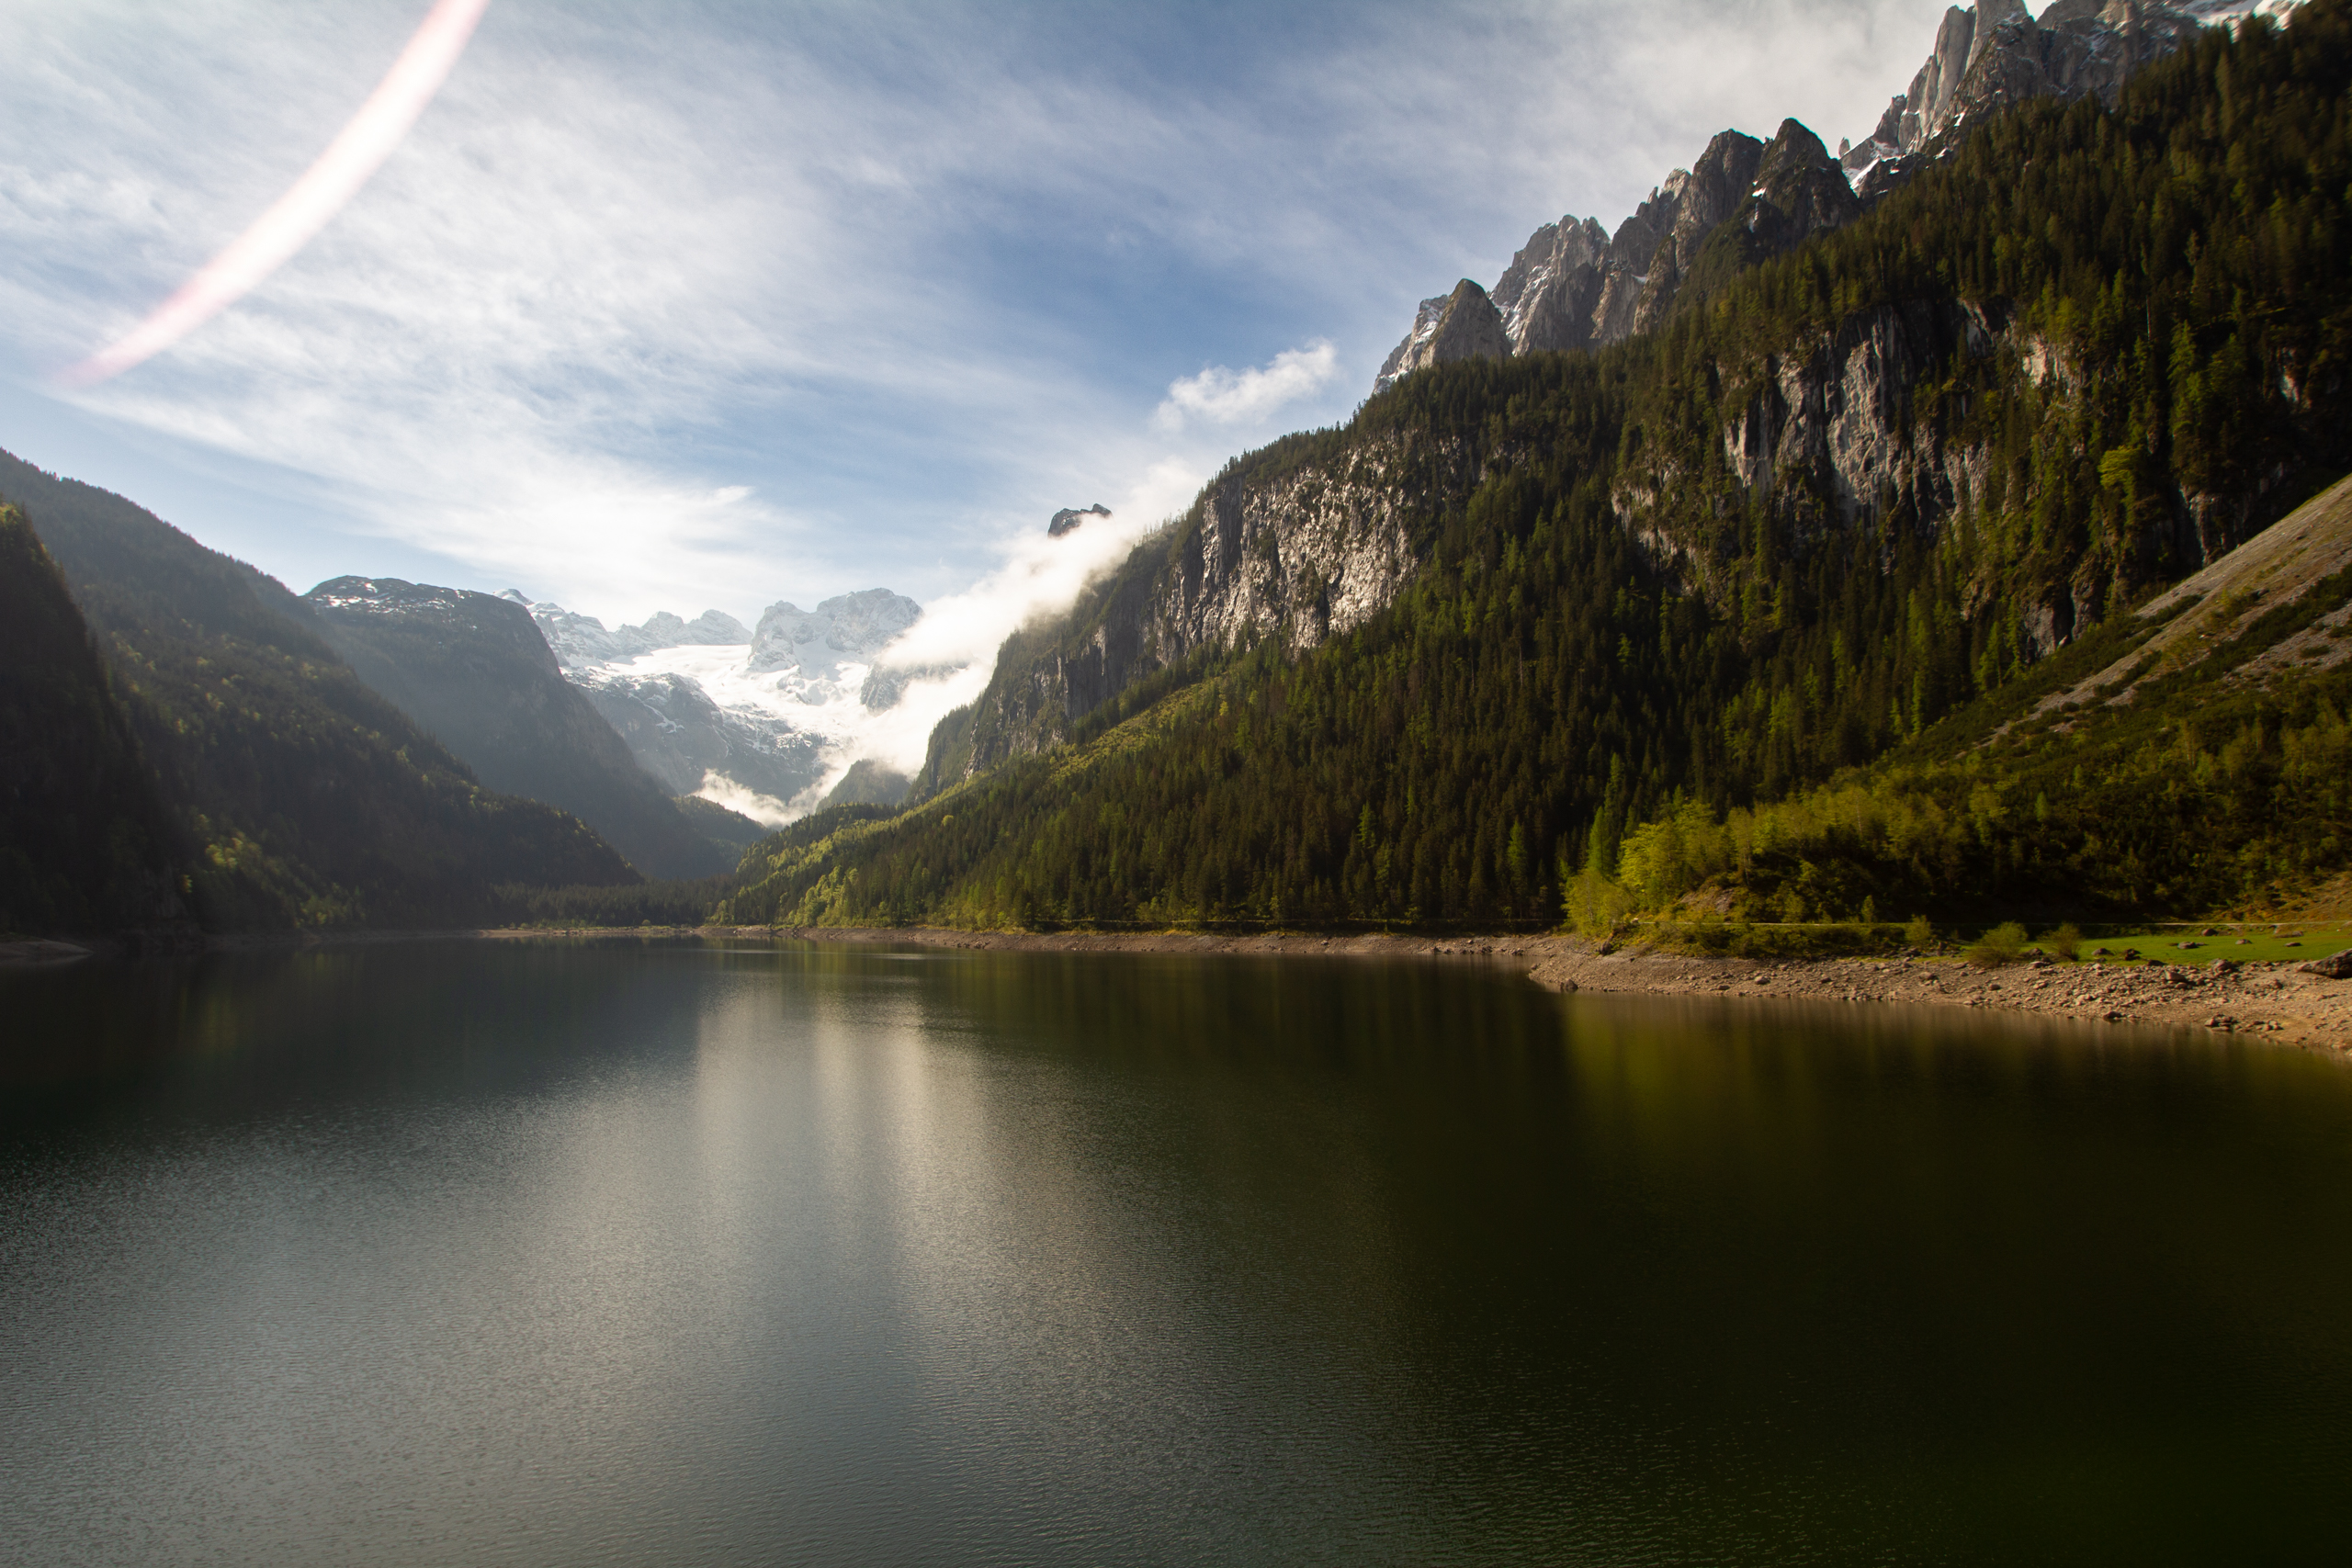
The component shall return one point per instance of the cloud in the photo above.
(907, 287)
(310, 203)
(765, 810)
(1036, 576)
(1225, 397)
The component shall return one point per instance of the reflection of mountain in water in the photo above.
(761, 720)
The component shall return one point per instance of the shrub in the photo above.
(1919, 934)
(2064, 943)
(1998, 946)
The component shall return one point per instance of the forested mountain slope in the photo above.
(1427, 665)
(86, 845)
(475, 673)
(306, 797)
(2192, 755)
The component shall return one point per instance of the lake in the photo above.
(631, 1252)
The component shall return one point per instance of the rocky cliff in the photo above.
(581, 642)
(1298, 543)
(1996, 54)
(1574, 284)
(846, 628)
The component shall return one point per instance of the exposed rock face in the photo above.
(681, 736)
(581, 641)
(1834, 420)
(1573, 285)
(846, 627)
(1302, 556)
(1463, 325)
(1996, 54)
(1834, 430)
(712, 628)
(1072, 518)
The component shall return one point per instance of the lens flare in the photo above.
(310, 203)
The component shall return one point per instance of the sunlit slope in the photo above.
(2192, 758)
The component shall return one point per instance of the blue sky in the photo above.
(684, 305)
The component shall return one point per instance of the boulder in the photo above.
(2339, 967)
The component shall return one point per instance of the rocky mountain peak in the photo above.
(712, 628)
(1996, 53)
(1072, 518)
(1575, 286)
(579, 642)
(1462, 325)
(848, 626)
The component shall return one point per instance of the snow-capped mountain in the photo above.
(582, 641)
(1575, 285)
(764, 720)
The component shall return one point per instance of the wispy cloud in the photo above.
(309, 204)
(667, 307)
(1220, 395)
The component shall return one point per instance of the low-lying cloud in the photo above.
(1219, 396)
(1038, 576)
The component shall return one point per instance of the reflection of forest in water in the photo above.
(685, 1251)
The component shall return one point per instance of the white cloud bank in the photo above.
(1037, 577)
(1228, 397)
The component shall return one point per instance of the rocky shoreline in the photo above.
(2282, 1002)
(2278, 1001)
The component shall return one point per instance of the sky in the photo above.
(710, 304)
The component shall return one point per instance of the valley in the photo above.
(1948, 526)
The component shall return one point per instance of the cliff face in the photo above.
(1573, 285)
(1297, 552)
(1996, 54)
(1855, 431)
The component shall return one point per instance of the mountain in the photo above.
(757, 715)
(1996, 54)
(1574, 284)
(2190, 755)
(1573, 287)
(686, 740)
(1439, 663)
(86, 842)
(581, 642)
(1070, 518)
(474, 671)
(846, 628)
(306, 799)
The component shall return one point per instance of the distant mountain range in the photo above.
(762, 716)
(189, 745)
(473, 670)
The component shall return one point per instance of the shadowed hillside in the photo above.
(307, 799)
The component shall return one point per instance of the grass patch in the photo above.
(2251, 945)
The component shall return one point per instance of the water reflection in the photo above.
(638, 1251)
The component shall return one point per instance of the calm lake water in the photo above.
(634, 1253)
